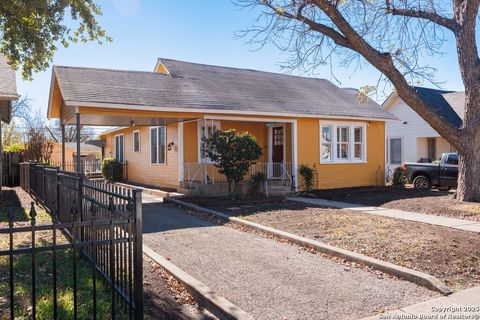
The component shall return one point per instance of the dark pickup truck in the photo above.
(428, 175)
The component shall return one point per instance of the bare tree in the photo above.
(38, 146)
(55, 132)
(390, 35)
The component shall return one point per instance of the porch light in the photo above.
(132, 123)
(170, 145)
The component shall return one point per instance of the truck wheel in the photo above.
(422, 182)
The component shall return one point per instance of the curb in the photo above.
(407, 274)
(217, 305)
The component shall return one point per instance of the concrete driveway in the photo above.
(268, 279)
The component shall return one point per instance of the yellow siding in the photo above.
(342, 175)
(190, 149)
(56, 157)
(328, 175)
(140, 169)
(257, 129)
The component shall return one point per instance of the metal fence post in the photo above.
(138, 254)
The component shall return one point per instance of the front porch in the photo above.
(203, 179)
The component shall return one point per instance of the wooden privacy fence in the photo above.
(103, 223)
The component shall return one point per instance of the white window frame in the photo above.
(158, 145)
(402, 150)
(115, 146)
(200, 124)
(351, 142)
(139, 141)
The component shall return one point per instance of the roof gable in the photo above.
(447, 104)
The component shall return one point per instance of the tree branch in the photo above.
(384, 63)
(448, 23)
(333, 34)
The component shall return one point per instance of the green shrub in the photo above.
(14, 147)
(399, 178)
(232, 153)
(257, 180)
(111, 169)
(307, 174)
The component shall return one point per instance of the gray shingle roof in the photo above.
(84, 147)
(8, 86)
(438, 102)
(197, 86)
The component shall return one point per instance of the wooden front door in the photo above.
(277, 152)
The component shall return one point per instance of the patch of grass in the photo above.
(44, 276)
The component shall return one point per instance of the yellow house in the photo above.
(88, 152)
(161, 117)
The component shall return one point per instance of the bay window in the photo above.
(342, 142)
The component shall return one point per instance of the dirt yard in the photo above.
(450, 255)
(165, 298)
(430, 202)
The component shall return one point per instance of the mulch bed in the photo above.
(433, 202)
(448, 254)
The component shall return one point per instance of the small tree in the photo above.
(232, 153)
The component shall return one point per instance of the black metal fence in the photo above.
(104, 228)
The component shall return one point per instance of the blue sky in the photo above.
(197, 31)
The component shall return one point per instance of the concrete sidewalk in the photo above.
(461, 224)
(269, 279)
(461, 305)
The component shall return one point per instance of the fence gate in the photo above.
(11, 168)
(103, 225)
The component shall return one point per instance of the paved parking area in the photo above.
(268, 279)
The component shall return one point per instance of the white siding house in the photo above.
(410, 138)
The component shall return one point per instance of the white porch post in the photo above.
(77, 127)
(294, 155)
(63, 146)
(181, 169)
(270, 153)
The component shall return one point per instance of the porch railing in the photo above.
(207, 173)
(103, 223)
(88, 166)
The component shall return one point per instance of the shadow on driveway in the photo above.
(160, 218)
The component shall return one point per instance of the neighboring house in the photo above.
(88, 152)
(164, 114)
(8, 89)
(411, 139)
(8, 93)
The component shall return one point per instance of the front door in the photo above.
(277, 152)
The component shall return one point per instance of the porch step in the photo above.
(278, 188)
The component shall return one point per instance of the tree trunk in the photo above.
(469, 156)
(469, 177)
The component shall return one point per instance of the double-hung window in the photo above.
(158, 140)
(326, 146)
(342, 142)
(136, 141)
(119, 154)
